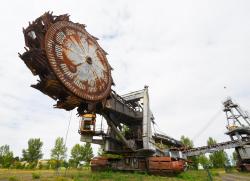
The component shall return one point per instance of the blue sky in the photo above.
(186, 51)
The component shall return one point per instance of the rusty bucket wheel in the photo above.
(72, 67)
(78, 61)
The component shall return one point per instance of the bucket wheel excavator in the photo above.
(74, 71)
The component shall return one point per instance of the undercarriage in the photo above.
(153, 165)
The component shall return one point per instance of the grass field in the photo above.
(86, 174)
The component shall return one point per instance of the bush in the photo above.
(31, 165)
(36, 175)
(18, 165)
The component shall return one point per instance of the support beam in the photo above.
(118, 133)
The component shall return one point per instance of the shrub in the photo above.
(18, 165)
(36, 175)
(32, 165)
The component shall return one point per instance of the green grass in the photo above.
(87, 175)
(247, 174)
(198, 175)
(13, 178)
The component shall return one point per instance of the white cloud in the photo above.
(186, 51)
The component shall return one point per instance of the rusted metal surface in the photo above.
(243, 167)
(158, 159)
(165, 165)
(99, 163)
(156, 165)
(102, 161)
(72, 67)
(78, 61)
(119, 164)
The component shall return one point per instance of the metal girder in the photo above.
(235, 113)
(118, 133)
(167, 139)
(213, 148)
(118, 105)
(133, 96)
(148, 142)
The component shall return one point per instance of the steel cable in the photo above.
(210, 121)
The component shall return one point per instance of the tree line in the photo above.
(218, 159)
(32, 155)
(82, 154)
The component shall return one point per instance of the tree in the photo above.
(58, 153)
(187, 142)
(34, 151)
(77, 154)
(211, 141)
(219, 158)
(81, 153)
(204, 161)
(6, 156)
(88, 152)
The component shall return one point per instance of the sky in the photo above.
(187, 52)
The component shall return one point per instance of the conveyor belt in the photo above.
(216, 147)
